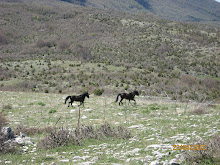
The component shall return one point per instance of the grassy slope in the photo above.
(152, 121)
(162, 56)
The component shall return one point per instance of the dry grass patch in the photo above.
(199, 111)
(62, 137)
(32, 130)
(210, 154)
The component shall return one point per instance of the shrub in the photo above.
(211, 154)
(3, 121)
(40, 43)
(98, 92)
(41, 103)
(64, 137)
(3, 39)
(7, 106)
(52, 111)
(63, 44)
(199, 110)
(32, 130)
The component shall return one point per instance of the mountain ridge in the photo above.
(178, 10)
(203, 11)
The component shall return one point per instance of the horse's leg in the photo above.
(71, 103)
(120, 102)
(134, 102)
(80, 103)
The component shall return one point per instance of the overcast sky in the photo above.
(218, 0)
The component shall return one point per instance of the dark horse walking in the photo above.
(79, 98)
(128, 96)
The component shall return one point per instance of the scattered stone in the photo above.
(72, 110)
(85, 157)
(76, 157)
(136, 126)
(65, 160)
(22, 135)
(120, 114)
(173, 162)
(155, 163)
(8, 162)
(88, 110)
(159, 146)
(7, 131)
(84, 117)
(87, 163)
(23, 141)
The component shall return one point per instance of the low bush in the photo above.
(7, 106)
(62, 137)
(209, 154)
(199, 111)
(3, 121)
(98, 92)
(32, 130)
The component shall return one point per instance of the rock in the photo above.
(72, 110)
(25, 140)
(136, 126)
(136, 150)
(8, 162)
(76, 157)
(120, 114)
(88, 110)
(150, 139)
(84, 117)
(65, 160)
(155, 163)
(8, 132)
(87, 163)
(22, 135)
(85, 157)
(174, 162)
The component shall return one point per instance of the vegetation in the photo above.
(49, 52)
(206, 11)
(208, 156)
(113, 51)
(127, 138)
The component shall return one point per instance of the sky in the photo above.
(218, 0)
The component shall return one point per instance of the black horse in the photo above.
(79, 98)
(128, 96)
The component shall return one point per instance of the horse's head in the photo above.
(86, 94)
(136, 93)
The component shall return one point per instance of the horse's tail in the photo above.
(67, 98)
(117, 97)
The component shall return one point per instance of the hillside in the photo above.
(204, 11)
(207, 11)
(70, 49)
